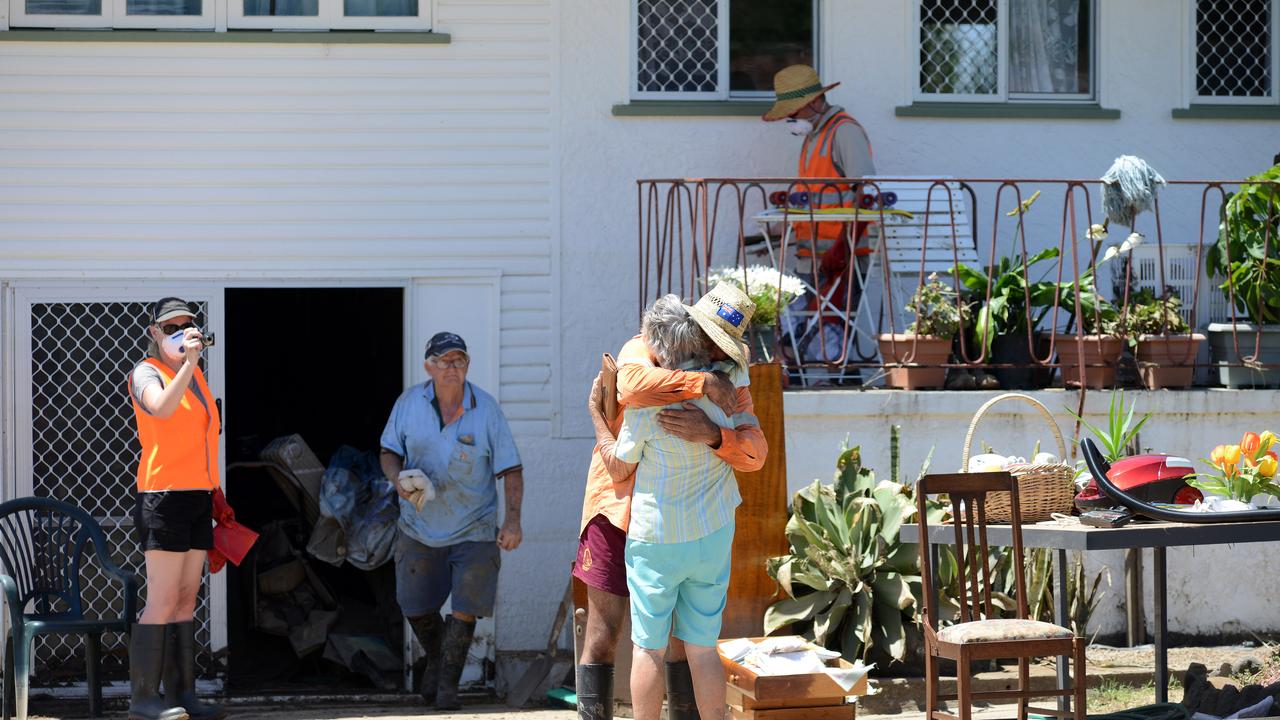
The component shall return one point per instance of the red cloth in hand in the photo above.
(231, 540)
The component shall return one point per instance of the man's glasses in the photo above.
(451, 365)
(173, 328)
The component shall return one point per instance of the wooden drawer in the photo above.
(823, 712)
(816, 691)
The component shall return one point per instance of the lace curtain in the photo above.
(1045, 53)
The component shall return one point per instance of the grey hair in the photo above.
(673, 335)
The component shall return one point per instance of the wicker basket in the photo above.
(1042, 489)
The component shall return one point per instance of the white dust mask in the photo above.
(799, 126)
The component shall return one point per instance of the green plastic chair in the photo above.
(42, 545)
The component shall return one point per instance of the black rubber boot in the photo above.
(681, 704)
(180, 673)
(595, 691)
(453, 658)
(429, 628)
(146, 666)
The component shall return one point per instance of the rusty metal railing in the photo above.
(861, 247)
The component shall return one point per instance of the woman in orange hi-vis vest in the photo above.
(835, 146)
(178, 428)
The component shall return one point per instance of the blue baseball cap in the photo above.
(443, 342)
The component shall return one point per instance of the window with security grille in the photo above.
(718, 49)
(1235, 46)
(84, 451)
(1006, 50)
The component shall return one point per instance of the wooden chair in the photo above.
(978, 633)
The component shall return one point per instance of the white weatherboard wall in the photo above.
(1186, 423)
(295, 164)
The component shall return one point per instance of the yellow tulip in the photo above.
(1216, 456)
(1268, 439)
(1267, 466)
(1231, 455)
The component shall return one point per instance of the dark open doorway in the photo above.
(326, 365)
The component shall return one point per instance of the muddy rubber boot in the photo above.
(453, 658)
(146, 666)
(180, 673)
(681, 704)
(594, 687)
(429, 630)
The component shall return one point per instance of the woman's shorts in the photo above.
(174, 520)
(689, 580)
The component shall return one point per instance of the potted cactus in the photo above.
(914, 359)
(1163, 344)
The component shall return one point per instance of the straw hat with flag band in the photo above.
(724, 314)
(794, 87)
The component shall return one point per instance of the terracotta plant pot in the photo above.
(904, 353)
(1166, 361)
(1099, 350)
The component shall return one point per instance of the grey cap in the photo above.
(169, 308)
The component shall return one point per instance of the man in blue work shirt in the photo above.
(455, 434)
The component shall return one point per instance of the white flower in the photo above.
(761, 280)
(1131, 242)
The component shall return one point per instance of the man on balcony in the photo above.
(835, 146)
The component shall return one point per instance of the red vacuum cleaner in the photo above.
(1150, 478)
(1103, 473)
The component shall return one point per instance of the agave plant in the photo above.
(848, 577)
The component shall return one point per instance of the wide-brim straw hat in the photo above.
(724, 314)
(794, 87)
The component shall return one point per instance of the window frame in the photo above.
(1192, 59)
(1002, 94)
(113, 16)
(722, 93)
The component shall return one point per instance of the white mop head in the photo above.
(1128, 189)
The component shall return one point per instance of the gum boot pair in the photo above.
(165, 652)
(595, 692)
(444, 644)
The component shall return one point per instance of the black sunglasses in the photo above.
(173, 328)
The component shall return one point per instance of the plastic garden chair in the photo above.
(42, 545)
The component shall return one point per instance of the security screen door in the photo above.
(74, 439)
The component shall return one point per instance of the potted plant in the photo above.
(1000, 326)
(1163, 344)
(1097, 350)
(914, 359)
(771, 290)
(1246, 256)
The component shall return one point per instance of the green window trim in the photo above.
(330, 37)
(1210, 111)
(1012, 111)
(692, 108)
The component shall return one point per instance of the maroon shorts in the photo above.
(602, 557)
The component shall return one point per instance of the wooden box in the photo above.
(808, 696)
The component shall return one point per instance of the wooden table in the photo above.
(1158, 536)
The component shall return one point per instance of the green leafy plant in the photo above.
(1147, 314)
(1119, 438)
(849, 581)
(1005, 312)
(937, 309)
(1249, 235)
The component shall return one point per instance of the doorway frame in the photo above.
(16, 292)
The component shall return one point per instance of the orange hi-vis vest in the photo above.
(179, 452)
(820, 164)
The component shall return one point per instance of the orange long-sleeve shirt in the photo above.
(642, 384)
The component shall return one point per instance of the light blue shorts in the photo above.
(689, 579)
